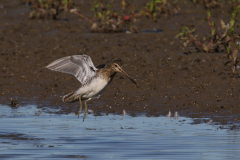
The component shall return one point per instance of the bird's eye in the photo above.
(115, 65)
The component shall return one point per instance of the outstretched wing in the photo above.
(81, 66)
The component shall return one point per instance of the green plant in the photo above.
(48, 8)
(208, 3)
(231, 44)
(159, 7)
(216, 39)
(105, 19)
(234, 4)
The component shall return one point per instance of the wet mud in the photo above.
(171, 77)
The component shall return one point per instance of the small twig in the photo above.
(195, 40)
(82, 16)
(147, 11)
(36, 7)
(233, 39)
(210, 43)
(210, 23)
(130, 6)
(224, 34)
(101, 4)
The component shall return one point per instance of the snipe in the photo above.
(94, 79)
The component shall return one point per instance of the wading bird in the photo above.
(94, 80)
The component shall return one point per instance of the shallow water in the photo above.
(31, 133)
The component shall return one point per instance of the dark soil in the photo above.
(170, 77)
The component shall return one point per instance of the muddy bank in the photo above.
(170, 77)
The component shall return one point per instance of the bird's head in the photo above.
(117, 68)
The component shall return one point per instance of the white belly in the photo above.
(93, 89)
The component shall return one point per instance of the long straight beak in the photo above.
(129, 77)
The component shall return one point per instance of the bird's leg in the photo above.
(85, 112)
(86, 103)
(80, 108)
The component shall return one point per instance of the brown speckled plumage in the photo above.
(106, 73)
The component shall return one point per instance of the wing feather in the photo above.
(81, 66)
(101, 66)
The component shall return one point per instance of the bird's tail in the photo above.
(71, 97)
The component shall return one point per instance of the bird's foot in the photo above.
(85, 114)
(80, 108)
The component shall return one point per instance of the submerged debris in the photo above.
(14, 102)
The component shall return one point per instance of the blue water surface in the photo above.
(32, 133)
